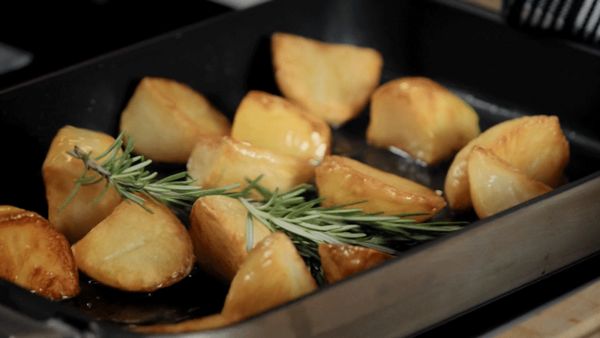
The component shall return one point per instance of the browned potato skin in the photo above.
(341, 180)
(196, 324)
(218, 233)
(217, 163)
(422, 118)
(60, 172)
(332, 81)
(535, 145)
(276, 124)
(136, 250)
(340, 261)
(166, 119)
(273, 274)
(495, 185)
(35, 256)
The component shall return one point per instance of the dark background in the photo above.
(63, 33)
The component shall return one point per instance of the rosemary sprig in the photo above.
(308, 224)
(130, 177)
(305, 221)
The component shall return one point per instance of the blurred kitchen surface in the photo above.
(575, 314)
(494, 5)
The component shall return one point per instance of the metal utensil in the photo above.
(575, 19)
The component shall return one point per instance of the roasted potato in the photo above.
(216, 163)
(274, 123)
(273, 273)
(134, 249)
(196, 324)
(60, 172)
(341, 180)
(218, 232)
(422, 118)
(166, 119)
(340, 261)
(535, 145)
(495, 185)
(35, 256)
(332, 81)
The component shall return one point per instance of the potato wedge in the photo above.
(332, 81)
(341, 180)
(60, 172)
(274, 123)
(166, 119)
(216, 163)
(136, 250)
(495, 185)
(218, 232)
(273, 273)
(35, 256)
(422, 118)
(196, 324)
(535, 145)
(340, 261)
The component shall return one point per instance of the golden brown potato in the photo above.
(273, 273)
(196, 324)
(341, 180)
(535, 145)
(495, 185)
(340, 261)
(216, 163)
(35, 256)
(136, 250)
(60, 172)
(166, 119)
(332, 81)
(218, 232)
(422, 118)
(274, 123)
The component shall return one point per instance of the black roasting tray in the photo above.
(501, 72)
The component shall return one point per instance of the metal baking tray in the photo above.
(503, 73)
